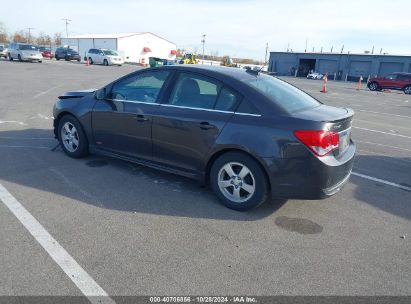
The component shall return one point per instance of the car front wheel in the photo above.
(238, 181)
(72, 138)
(407, 89)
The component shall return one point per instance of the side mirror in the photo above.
(100, 94)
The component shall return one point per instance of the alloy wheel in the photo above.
(70, 137)
(236, 182)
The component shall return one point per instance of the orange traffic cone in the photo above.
(87, 62)
(325, 80)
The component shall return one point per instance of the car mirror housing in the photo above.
(100, 94)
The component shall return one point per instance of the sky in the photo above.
(238, 28)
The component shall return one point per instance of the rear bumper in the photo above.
(310, 177)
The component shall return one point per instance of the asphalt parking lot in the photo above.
(137, 231)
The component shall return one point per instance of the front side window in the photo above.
(142, 87)
(392, 77)
(283, 94)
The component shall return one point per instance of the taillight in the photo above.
(319, 141)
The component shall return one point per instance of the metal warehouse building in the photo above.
(338, 66)
(134, 47)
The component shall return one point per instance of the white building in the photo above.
(134, 47)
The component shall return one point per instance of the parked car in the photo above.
(315, 76)
(24, 52)
(104, 56)
(66, 54)
(394, 81)
(46, 52)
(3, 51)
(244, 133)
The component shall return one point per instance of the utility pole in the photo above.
(29, 29)
(266, 52)
(203, 42)
(67, 21)
(306, 44)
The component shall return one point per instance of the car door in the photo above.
(187, 125)
(122, 122)
(389, 82)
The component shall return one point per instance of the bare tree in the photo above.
(3, 33)
(43, 39)
(57, 38)
(19, 36)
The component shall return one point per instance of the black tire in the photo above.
(257, 178)
(40, 61)
(407, 89)
(105, 62)
(90, 60)
(57, 58)
(66, 58)
(82, 147)
(19, 58)
(10, 58)
(373, 86)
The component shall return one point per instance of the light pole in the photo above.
(203, 42)
(67, 21)
(266, 52)
(30, 28)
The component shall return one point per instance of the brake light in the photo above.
(319, 141)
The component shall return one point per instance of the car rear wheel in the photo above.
(105, 62)
(19, 57)
(72, 138)
(238, 181)
(373, 86)
(10, 58)
(90, 60)
(57, 57)
(407, 89)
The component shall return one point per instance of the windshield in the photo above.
(110, 53)
(28, 47)
(283, 94)
(71, 51)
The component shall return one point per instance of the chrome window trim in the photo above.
(183, 107)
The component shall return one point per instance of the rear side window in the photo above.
(226, 101)
(195, 91)
(283, 94)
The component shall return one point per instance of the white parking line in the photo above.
(376, 131)
(66, 262)
(44, 92)
(377, 144)
(380, 113)
(28, 147)
(382, 181)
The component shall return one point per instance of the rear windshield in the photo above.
(283, 94)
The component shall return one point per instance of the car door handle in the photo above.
(141, 117)
(206, 125)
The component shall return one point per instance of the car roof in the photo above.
(234, 73)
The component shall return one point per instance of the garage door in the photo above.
(284, 67)
(360, 68)
(327, 66)
(390, 67)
